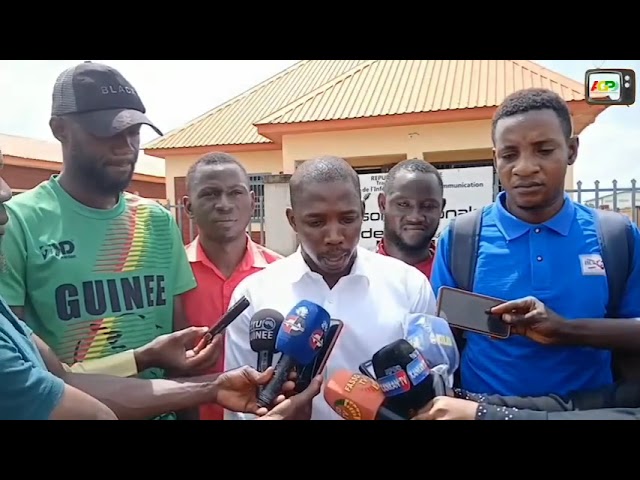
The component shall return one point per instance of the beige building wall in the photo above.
(279, 234)
(269, 161)
(375, 147)
(408, 141)
(444, 142)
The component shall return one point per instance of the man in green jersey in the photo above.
(95, 272)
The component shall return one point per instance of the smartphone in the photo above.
(468, 311)
(366, 369)
(306, 374)
(233, 313)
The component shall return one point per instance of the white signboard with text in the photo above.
(465, 189)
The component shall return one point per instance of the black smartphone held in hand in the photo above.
(470, 311)
(306, 374)
(231, 314)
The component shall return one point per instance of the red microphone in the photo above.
(357, 397)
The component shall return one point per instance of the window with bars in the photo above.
(256, 183)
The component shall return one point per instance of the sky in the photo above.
(177, 91)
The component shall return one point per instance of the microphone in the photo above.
(356, 397)
(299, 339)
(433, 338)
(263, 328)
(405, 378)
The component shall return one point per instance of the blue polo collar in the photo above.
(512, 227)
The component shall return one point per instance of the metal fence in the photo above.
(622, 199)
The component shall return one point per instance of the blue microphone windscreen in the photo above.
(433, 338)
(303, 331)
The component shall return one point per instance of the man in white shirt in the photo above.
(372, 294)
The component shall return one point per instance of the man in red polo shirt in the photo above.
(411, 202)
(221, 204)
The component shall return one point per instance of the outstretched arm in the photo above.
(616, 402)
(128, 398)
(30, 392)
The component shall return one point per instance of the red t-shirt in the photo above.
(425, 267)
(206, 303)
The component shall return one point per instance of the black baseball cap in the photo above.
(100, 99)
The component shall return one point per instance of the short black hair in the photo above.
(322, 169)
(531, 99)
(213, 158)
(413, 165)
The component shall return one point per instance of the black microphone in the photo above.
(263, 329)
(405, 378)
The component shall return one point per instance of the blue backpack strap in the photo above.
(617, 246)
(463, 254)
(463, 251)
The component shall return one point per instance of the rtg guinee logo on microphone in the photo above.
(262, 329)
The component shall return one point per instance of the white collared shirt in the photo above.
(372, 301)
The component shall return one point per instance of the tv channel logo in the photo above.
(611, 86)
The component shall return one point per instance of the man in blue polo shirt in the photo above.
(535, 241)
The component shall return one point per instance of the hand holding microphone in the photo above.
(297, 407)
(299, 339)
(263, 328)
(357, 397)
(448, 408)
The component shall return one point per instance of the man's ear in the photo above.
(291, 219)
(252, 196)
(444, 203)
(574, 143)
(382, 202)
(186, 202)
(59, 128)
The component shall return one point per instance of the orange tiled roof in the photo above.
(393, 87)
(320, 90)
(232, 122)
(49, 151)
